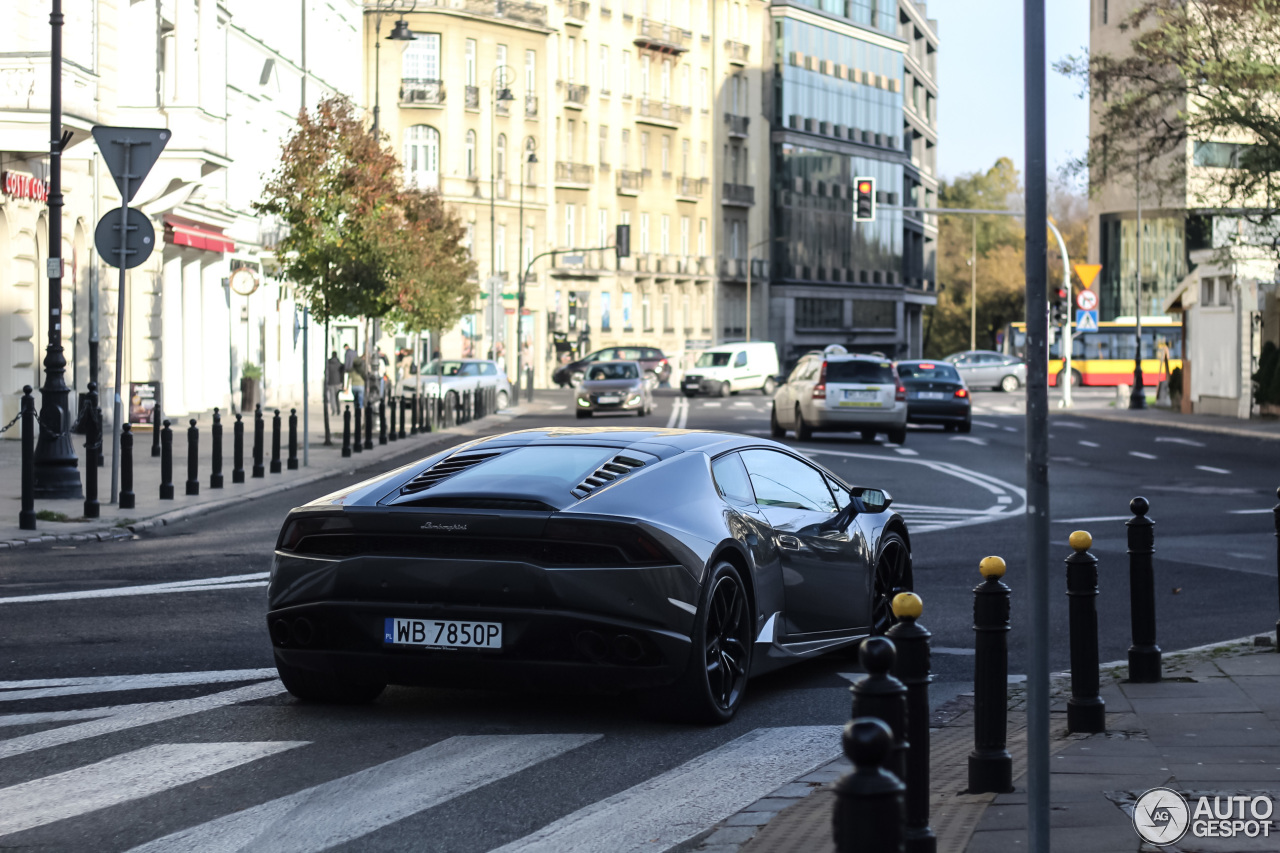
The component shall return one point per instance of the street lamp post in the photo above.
(57, 474)
(750, 264)
(1138, 394)
(499, 92)
(400, 32)
(520, 365)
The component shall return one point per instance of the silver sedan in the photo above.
(614, 386)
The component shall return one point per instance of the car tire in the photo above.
(1009, 384)
(949, 427)
(641, 412)
(689, 393)
(327, 689)
(715, 681)
(776, 429)
(583, 413)
(1075, 378)
(868, 436)
(966, 427)
(892, 575)
(769, 388)
(804, 432)
(724, 390)
(503, 400)
(898, 436)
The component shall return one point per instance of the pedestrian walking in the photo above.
(355, 375)
(334, 374)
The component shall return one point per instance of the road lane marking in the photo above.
(981, 442)
(710, 405)
(743, 404)
(200, 585)
(1141, 455)
(1010, 429)
(42, 688)
(1004, 499)
(1088, 444)
(1070, 424)
(1188, 442)
(1250, 511)
(679, 413)
(129, 717)
(42, 718)
(675, 806)
(905, 451)
(986, 424)
(1243, 556)
(1092, 518)
(123, 778)
(561, 408)
(1212, 470)
(353, 806)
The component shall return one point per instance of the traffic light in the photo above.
(622, 241)
(1058, 307)
(864, 199)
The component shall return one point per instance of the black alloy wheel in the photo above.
(804, 432)
(715, 681)
(893, 575)
(966, 427)
(898, 436)
(327, 689)
(775, 429)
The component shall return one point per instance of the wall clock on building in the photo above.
(244, 281)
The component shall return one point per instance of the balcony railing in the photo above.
(421, 92)
(663, 111)
(737, 51)
(473, 97)
(733, 267)
(629, 182)
(667, 38)
(573, 173)
(692, 187)
(739, 195)
(530, 105)
(576, 93)
(737, 125)
(512, 10)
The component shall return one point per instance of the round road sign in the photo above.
(139, 238)
(1087, 300)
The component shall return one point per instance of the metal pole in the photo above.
(520, 291)
(117, 411)
(1137, 394)
(306, 398)
(973, 288)
(1066, 324)
(1037, 450)
(56, 471)
(749, 265)
(377, 68)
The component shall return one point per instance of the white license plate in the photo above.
(930, 395)
(443, 634)
(608, 398)
(863, 396)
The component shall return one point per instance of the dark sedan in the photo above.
(675, 562)
(650, 358)
(936, 395)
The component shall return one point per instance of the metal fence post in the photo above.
(215, 467)
(237, 450)
(292, 463)
(911, 667)
(259, 430)
(193, 459)
(990, 765)
(92, 454)
(276, 466)
(1144, 655)
(878, 694)
(126, 499)
(1086, 712)
(166, 463)
(867, 817)
(27, 510)
(346, 431)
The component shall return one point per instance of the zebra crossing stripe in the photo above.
(198, 585)
(344, 809)
(43, 688)
(677, 805)
(123, 778)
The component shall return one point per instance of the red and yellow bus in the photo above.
(1105, 357)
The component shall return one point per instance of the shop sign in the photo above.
(22, 186)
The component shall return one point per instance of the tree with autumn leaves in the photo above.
(357, 242)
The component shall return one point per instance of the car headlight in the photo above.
(584, 401)
(633, 400)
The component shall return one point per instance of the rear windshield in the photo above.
(713, 359)
(602, 372)
(566, 465)
(870, 372)
(928, 370)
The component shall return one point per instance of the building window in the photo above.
(626, 74)
(644, 150)
(604, 144)
(603, 81)
(702, 157)
(666, 155)
(646, 316)
(500, 248)
(644, 75)
(684, 312)
(666, 234)
(422, 58)
(500, 155)
(702, 237)
(606, 298)
(684, 235)
(735, 241)
(666, 80)
(569, 56)
(626, 149)
(471, 62)
(422, 157)
(501, 57)
(530, 72)
(626, 310)
(704, 89)
(602, 227)
(874, 314)
(528, 247)
(684, 158)
(471, 153)
(530, 144)
(568, 224)
(686, 86)
(666, 312)
(571, 148)
(819, 313)
(644, 232)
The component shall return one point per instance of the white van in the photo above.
(730, 368)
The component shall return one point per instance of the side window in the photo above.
(781, 480)
(842, 496)
(731, 479)
(469, 368)
(489, 369)
(740, 360)
(798, 372)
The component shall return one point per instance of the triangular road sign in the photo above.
(1086, 321)
(144, 145)
(1087, 273)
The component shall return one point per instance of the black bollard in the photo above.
(878, 694)
(237, 451)
(92, 454)
(382, 421)
(413, 415)
(346, 432)
(259, 432)
(292, 463)
(911, 667)
(215, 467)
(395, 404)
(400, 407)
(27, 412)
(126, 499)
(1086, 712)
(155, 430)
(357, 445)
(193, 459)
(368, 424)
(1144, 654)
(276, 466)
(990, 765)
(867, 817)
(1274, 511)
(528, 385)
(166, 463)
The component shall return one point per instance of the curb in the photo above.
(1195, 426)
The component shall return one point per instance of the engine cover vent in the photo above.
(443, 470)
(618, 466)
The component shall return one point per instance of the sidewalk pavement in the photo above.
(1212, 726)
(151, 511)
(1252, 428)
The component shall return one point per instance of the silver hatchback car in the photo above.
(614, 386)
(832, 390)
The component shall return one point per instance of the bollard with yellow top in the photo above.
(1086, 712)
(911, 667)
(990, 765)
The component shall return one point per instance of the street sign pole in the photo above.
(121, 261)
(1066, 321)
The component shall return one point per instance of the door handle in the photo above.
(789, 543)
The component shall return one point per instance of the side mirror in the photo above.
(875, 500)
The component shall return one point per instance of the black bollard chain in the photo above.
(990, 765)
(346, 431)
(126, 499)
(878, 694)
(259, 431)
(292, 463)
(193, 459)
(867, 817)
(1086, 712)
(237, 450)
(276, 466)
(1144, 655)
(92, 453)
(215, 467)
(911, 667)
(166, 463)
(27, 411)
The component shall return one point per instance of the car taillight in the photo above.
(962, 392)
(664, 362)
(900, 394)
(296, 530)
(820, 390)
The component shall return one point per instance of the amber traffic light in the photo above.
(864, 199)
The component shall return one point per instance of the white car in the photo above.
(730, 368)
(458, 375)
(833, 391)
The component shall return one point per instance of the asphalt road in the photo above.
(227, 741)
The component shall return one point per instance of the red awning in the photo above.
(184, 234)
